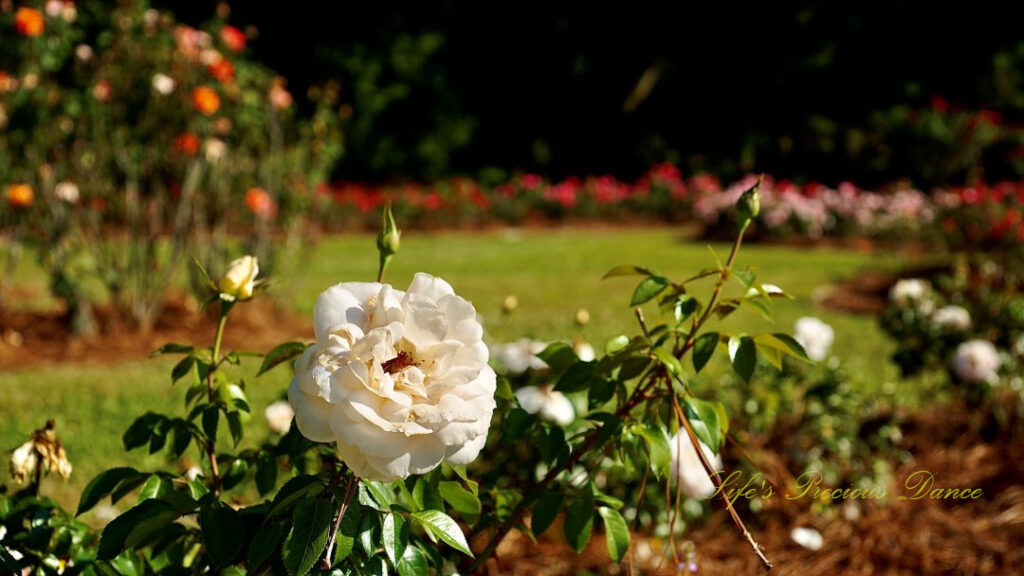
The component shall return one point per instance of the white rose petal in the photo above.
(953, 318)
(67, 192)
(976, 361)
(807, 537)
(584, 351)
(687, 468)
(279, 417)
(550, 404)
(24, 461)
(815, 336)
(398, 380)
(519, 356)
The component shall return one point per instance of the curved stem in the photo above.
(211, 448)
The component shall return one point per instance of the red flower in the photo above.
(187, 144)
(531, 181)
(939, 104)
(29, 22)
(233, 38)
(259, 203)
(222, 70)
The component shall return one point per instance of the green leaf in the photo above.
(172, 349)
(211, 418)
(348, 531)
(784, 343)
(703, 416)
(559, 356)
(114, 537)
(311, 523)
(684, 307)
(266, 472)
(579, 521)
(515, 424)
(578, 377)
(616, 533)
(101, 486)
(658, 450)
(292, 490)
(627, 270)
(235, 474)
(11, 565)
(234, 427)
(647, 289)
(394, 537)
(223, 532)
(616, 344)
(382, 497)
(743, 354)
(139, 433)
(155, 487)
(182, 368)
(459, 498)
(601, 391)
(413, 563)
(703, 349)
(545, 511)
(264, 543)
(441, 525)
(282, 353)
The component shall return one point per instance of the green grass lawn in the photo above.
(552, 273)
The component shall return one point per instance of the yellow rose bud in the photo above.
(240, 280)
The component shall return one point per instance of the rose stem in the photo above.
(211, 449)
(326, 564)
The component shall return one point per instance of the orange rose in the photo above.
(259, 202)
(20, 195)
(205, 100)
(222, 70)
(187, 144)
(233, 38)
(28, 22)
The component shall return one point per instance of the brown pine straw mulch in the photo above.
(903, 537)
(29, 339)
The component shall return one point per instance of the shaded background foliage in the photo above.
(812, 90)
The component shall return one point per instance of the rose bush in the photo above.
(399, 381)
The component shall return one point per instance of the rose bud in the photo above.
(240, 279)
(749, 204)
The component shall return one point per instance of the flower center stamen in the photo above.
(399, 363)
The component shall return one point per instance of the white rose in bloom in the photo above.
(240, 279)
(83, 52)
(214, 149)
(687, 469)
(976, 361)
(67, 192)
(163, 84)
(519, 356)
(952, 317)
(909, 290)
(807, 537)
(399, 380)
(279, 417)
(552, 405)
(815, 336)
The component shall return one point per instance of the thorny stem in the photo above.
(714, 475)
(350, 490)
(211, 449)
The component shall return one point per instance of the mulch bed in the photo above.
(912, 537)
(29, 339)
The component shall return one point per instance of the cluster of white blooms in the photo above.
(687, 468)
(953, 318)
(976, 361)
(398, 380)
(815, 336)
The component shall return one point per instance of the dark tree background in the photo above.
(805, 89)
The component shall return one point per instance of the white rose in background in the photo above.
(240, 279)
(815, 336)
(519, 356)
(398, 380)
(909, 290)
(953, 318)
(584, 351)
(24, 461)
(279, 417)
(687, 469)
(163, 84)
(976, 361)
(67, 192)
(550, 404)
